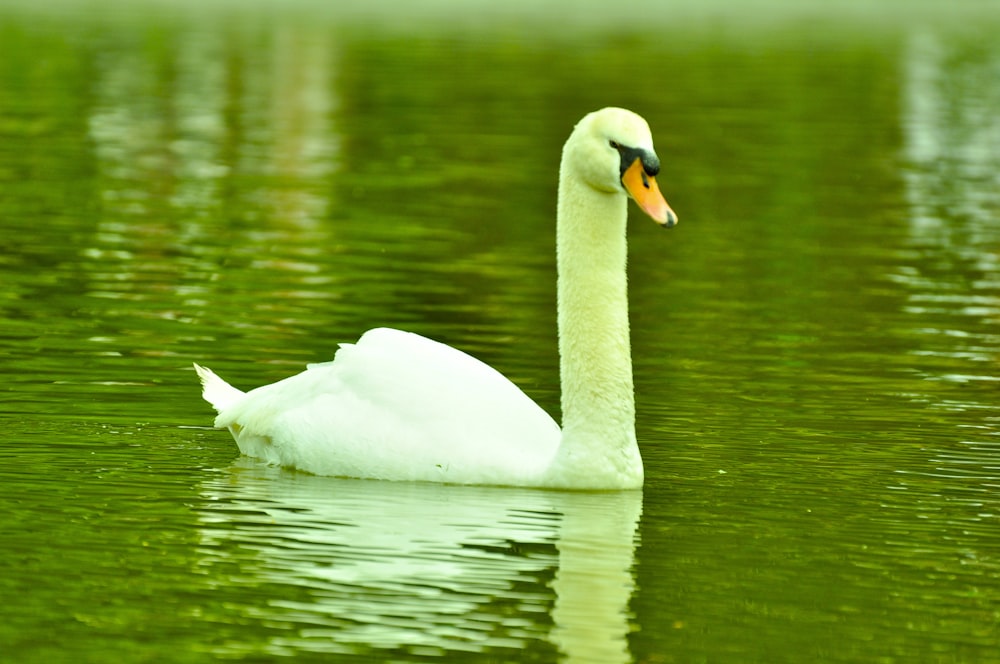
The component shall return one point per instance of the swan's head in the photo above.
(612, 151)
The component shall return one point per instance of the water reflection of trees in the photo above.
(951, 132)
(278, 193)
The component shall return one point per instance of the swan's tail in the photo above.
(216, 391)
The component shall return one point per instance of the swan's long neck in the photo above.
(598, 402)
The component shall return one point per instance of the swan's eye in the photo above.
(614, 144)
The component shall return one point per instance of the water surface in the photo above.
(815, 344)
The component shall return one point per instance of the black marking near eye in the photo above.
(650, 162)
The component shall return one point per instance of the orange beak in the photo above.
(643, 190)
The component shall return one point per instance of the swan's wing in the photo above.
(396, 405)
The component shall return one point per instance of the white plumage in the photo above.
(398, 406)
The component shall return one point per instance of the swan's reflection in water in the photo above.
(356, 566)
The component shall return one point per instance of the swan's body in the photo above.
(398, 406)
(395, 405)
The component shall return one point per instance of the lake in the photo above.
(246, 185)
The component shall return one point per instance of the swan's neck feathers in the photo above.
(598, 403)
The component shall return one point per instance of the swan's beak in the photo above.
(643, 189)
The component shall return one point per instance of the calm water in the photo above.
(815, 345)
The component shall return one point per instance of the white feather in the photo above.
(398, 406)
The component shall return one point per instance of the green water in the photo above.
(246, 185)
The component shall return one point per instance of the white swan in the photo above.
(398, 406)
